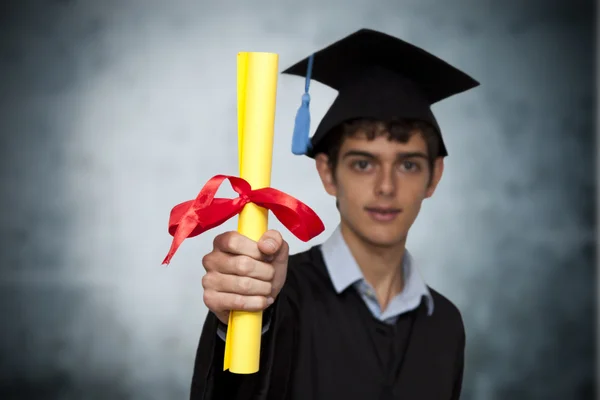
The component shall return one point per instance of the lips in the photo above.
(383, 210)
(383, 214)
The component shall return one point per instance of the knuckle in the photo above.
(239, 302)
(245, 266)
(218, 241)
(206, 282)
(232, 242)
(208, 298)
(224, 241)
(210, 281)
(268, 288)
(207, 261)
(270, 272)
(262, 302)
(244, 285)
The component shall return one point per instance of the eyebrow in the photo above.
(400, 156)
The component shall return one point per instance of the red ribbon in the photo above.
(193, 217)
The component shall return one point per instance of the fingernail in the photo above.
(270, 301)
(271, 243)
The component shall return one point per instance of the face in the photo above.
(380, 185)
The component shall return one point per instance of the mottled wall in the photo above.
(112, 112)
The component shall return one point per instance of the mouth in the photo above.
(383, 214)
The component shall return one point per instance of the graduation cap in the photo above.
(377, 76)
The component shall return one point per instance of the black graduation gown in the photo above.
(321, 345)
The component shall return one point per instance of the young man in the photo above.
(351, 318)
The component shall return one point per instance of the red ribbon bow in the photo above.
(193, 217)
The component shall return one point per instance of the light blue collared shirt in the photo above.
(344, 272)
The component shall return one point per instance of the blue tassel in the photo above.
(300, 139)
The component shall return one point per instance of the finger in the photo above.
(246, 266)
(282, 254)
(237, 244)
(219, 302)
(236, 284)
(270, 243)
(228, 264)
(280, 266)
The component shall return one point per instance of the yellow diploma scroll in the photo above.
(257, 90)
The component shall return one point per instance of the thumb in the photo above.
(270, 245)
(275, 251)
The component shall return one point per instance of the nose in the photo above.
(386, 182)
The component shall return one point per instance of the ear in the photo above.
(438, 170)
(326, 174)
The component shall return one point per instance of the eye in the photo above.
(361, 165)
(410, 166)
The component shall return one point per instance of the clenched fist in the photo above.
(242, 274)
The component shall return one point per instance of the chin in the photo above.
(385, 241)
(382, 236)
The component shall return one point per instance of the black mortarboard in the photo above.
(377, 76)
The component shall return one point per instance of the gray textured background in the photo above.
(113, 112)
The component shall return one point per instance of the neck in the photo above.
(381, 265)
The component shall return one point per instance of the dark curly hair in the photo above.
(400, 130)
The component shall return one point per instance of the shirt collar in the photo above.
(344, 271)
